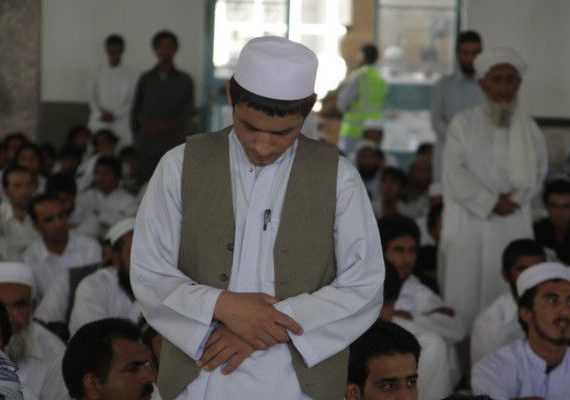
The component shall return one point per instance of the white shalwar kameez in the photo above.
(495, 327)
(477, 168)
(112, 89)
(181, 310)
(515, 371)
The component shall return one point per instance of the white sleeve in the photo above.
(482, 342)
(494, 378)
(54, 304)
(335, 315)
(89, 303)
(172, 303)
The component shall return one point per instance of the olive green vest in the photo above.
(304, 253)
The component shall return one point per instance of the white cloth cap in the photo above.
(118, 230)
(374, 124)
(277, 68)
(16, 272)
(539, 273)
(500, 55)
(435, 189)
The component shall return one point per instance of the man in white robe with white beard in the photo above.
(493, 166)
(35, 350)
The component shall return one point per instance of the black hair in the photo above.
(116, 40)
(556, 186)
(467, 37)
(392, 282)
(381, 339)
(467, 397)
(90, 351)
(424, 148)
(61, 183)
(11, 169)
(112, 163)
(394, 226)
(15, 135)
(29, 146)
(74, 131)
(69, 150)
(109, 134)
(47, 148)
(433, 214)
(41, 198)
(128, 151)
(370, 53)
(164, 35)
(5, 326)
(521, 248)
(526, 300)
(269, 106)
(395, 174)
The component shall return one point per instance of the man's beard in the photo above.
(367, 173)
(500, 113)
(125, 282)
(20, 344)
(558, 341)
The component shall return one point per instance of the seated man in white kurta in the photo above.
(271, 93)
(107, 293)
(58, 250)
(537, 367)
(494, 164)
(36, 351)
(498, 324)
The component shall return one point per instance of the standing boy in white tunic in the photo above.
(293, 345)
(493, 166)
(537, 367)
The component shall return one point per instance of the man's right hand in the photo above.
(505, 205)
(253, 317)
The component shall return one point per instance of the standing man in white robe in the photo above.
(271, 93)
(454, 93)
(494, 164)
(110, 93)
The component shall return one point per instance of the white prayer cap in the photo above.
(435, 189)
(16, 272)
(277, 68)
(499, 55)
(376, 124)
(118, 230)
(539, 273)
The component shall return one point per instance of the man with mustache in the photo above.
(538, 366)
(494, 164)
(107, 292)
(106, 361)
(36, 351)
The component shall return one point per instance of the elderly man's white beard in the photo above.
(501, 113)
(20, 344)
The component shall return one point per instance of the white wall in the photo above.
(73, 32)
(540, 31)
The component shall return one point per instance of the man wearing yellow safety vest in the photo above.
(361, 97)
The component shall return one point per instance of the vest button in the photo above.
(223, 277)
(230, 246)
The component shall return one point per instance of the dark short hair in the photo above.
(29, 146)
(555, 186)
(394, 226)
(61, 183)
(15, 136)
(112, 163)
(526, 300)
(424, 148)
(116, 40)
(128, 151)
(164, 35)
(370, 53)
(109, 134)
(39, 199)
(90, 351)
(12, 169)
(269, 106)
(395, 174)
(521, 248)
(69, 150)
(467, 37)
(74, 130)
(47, 148)
(392, 282)
(381, 339)
(433, 214)
(5, 326)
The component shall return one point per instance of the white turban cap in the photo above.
(499, 55)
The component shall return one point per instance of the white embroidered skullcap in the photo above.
(16, 272)
(373, 124)
(277, 68)
(435, 189)
(500, 55)
(540, 273)
(118, 230)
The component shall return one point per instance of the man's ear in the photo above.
(228, 96)
(525, 314)
(353, 392)
(92, 387)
